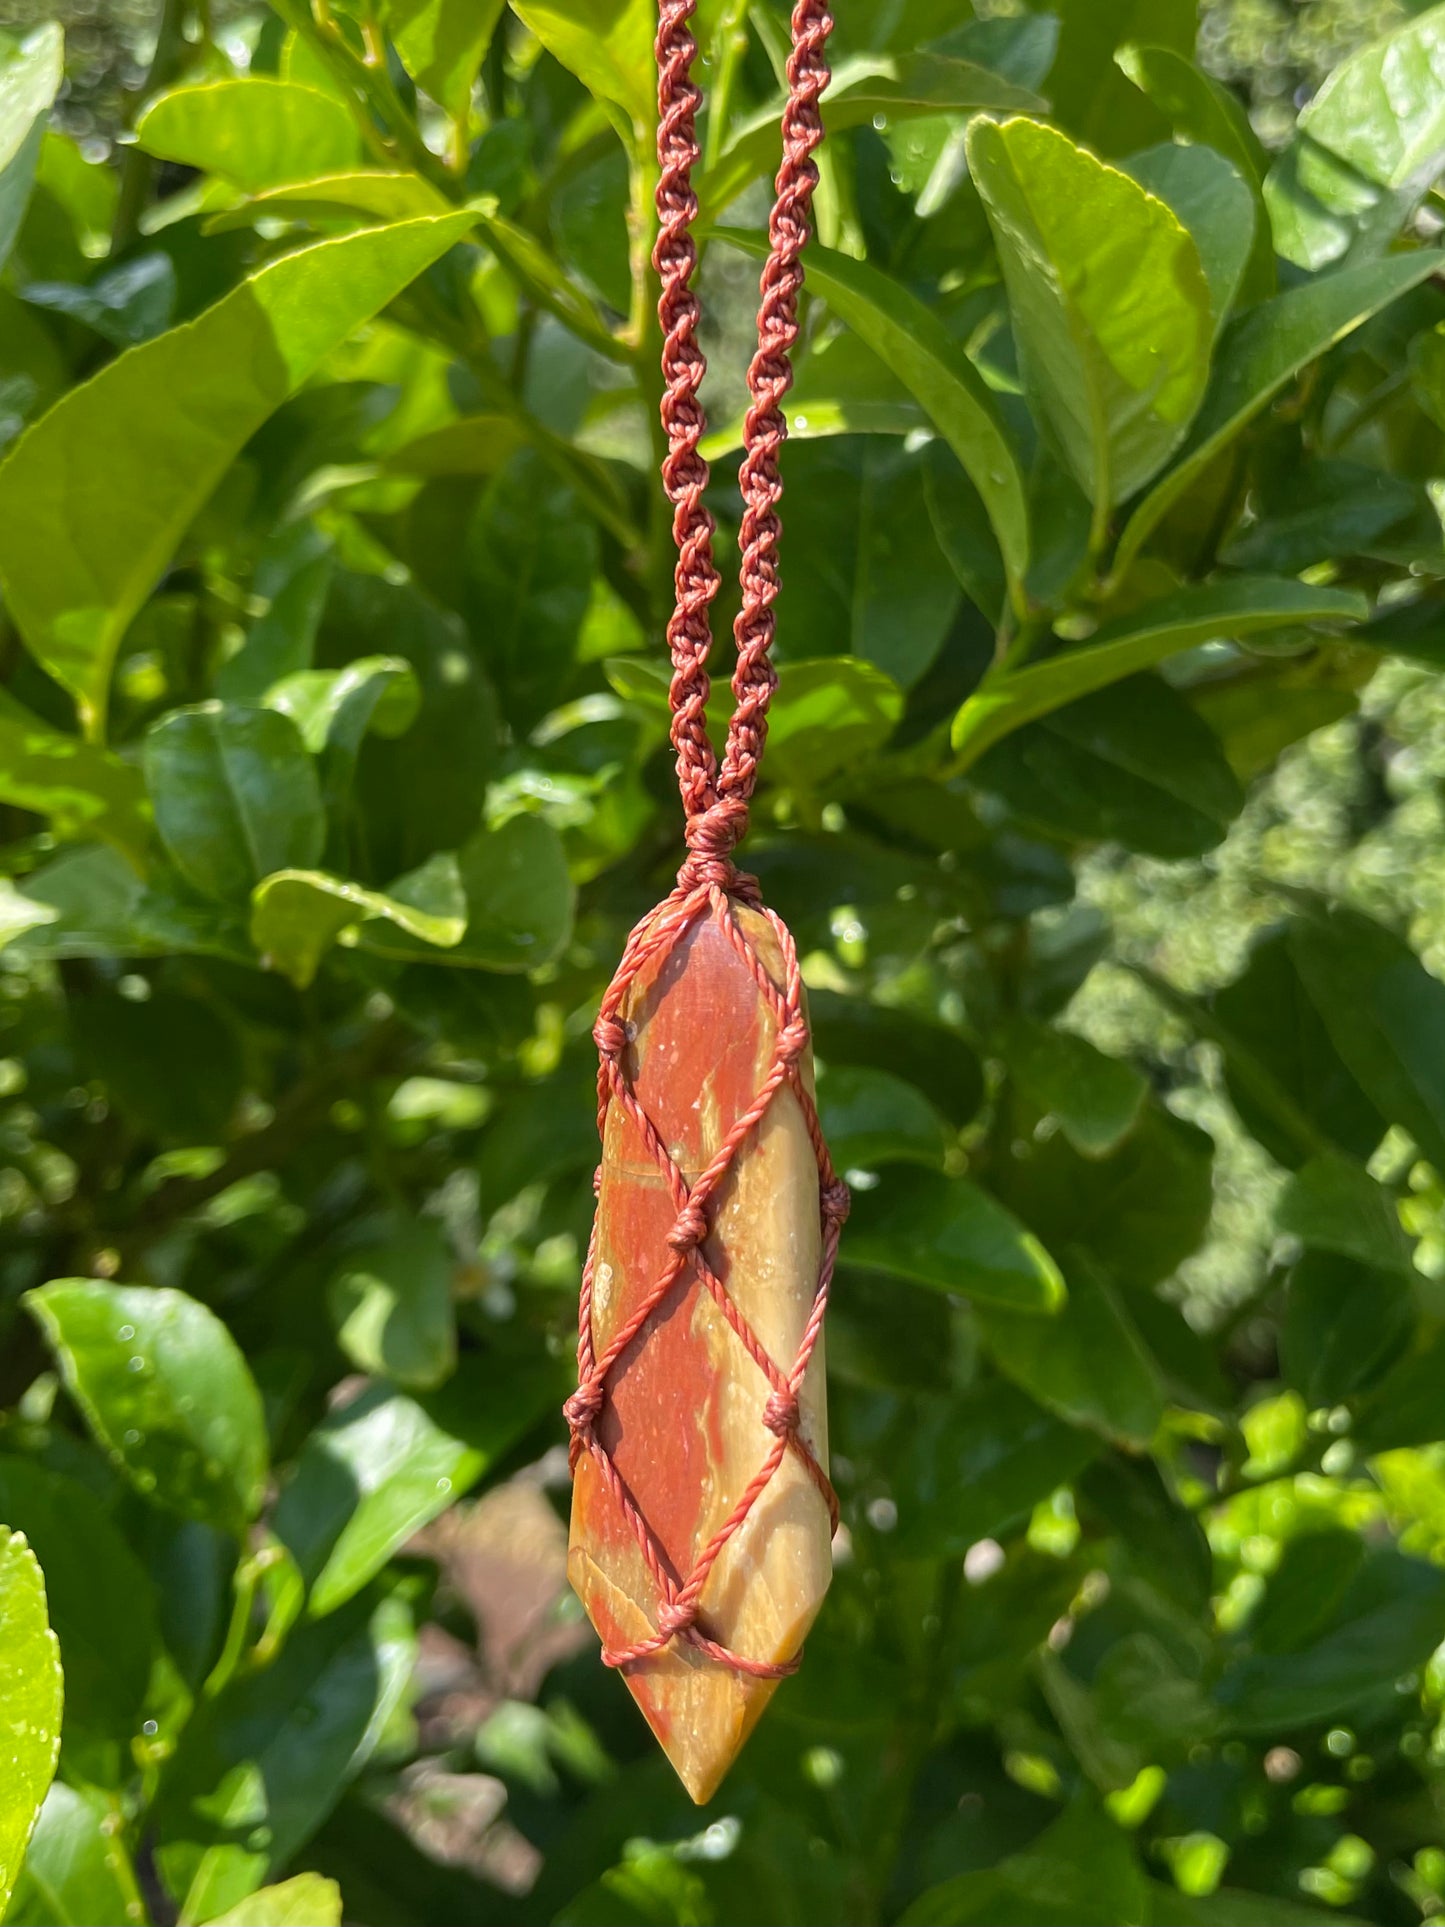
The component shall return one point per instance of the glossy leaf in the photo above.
(1227, 609)
(1095, 1098)
(373, 1473)
(902, 332)
(305, 1900)
(165, 1390)
(1259, 354)
(82, 789)
(948, 1235)
(1385, 1015)
(1383, 110)
(863, 89)
(1212, 200)
(1345, 1325)
(254, 133)
(94, 499)
(441, 43)
(392, 1306)
(1084, 249)
(935, 1059)
(1131, 764)
(30, 1701)
(296, 915)
(101, 1609)
(1080, 1870)
(969, 1469)
(1090, 97)
(235, 794)
(828, 715)
(1333, 1204)
(1088, 1364)
(263, 1763)
(606, 43)
(871, 1117)
(77, 1872)
(30, 77)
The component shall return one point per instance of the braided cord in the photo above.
(716, 800)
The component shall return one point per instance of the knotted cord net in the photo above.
(716, 798)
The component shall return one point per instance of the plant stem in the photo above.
(137, 171)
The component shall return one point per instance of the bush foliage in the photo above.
(333, 771)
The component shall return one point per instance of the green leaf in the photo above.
(372, 191)
(1233, 1907)
(865, 87)
(292, 580)
(1212, 200)
(125, 306)
(1079, 1872)
(911, 340)
(1096, 1099)
(296, 915)
(1088, 1364)
(1284, 1075)
(1202, 110)
(519, 897)
(865, 570)
(1407, 1407)
(936, 1060)
(335, 708)
(164, 1388)
(1139, 1212)
(871, 1117)
(1085, 251)
(441, 43)
(1389, 1622)
(82, 789)
(1199, 108)
(305, 1900)
(1333, 1204)
(829, 715)
(95, 497)
(30, 1702)
(236, 796)
(391, 1303)
(1214, 611)
(93, 904)
(1259, 354)
(421, 792)
(969, 1469)
(30, 77)
(101, 1608)
(1345, 1325)
(254, 133)
(1090, 97)
(77, 1872)
(377, 1469)
(948, 1235)
(1382, 111)
(1132, 764)
(1385, 1015)
(606, 43)
(261, 1765)
(1324, 513)
(549, 284)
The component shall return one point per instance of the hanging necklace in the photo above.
(702, 1514)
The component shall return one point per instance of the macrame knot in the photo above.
(690, 1230)
(835, 1201)
(781, 1414)
(676, 1616)
(610, 1036)
(792, 1041)
(711, 837)
(584, 1408)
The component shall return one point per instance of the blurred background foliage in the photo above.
(1139, 1612)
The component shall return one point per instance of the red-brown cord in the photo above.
(716, 798)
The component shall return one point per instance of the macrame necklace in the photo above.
(702, 1514)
